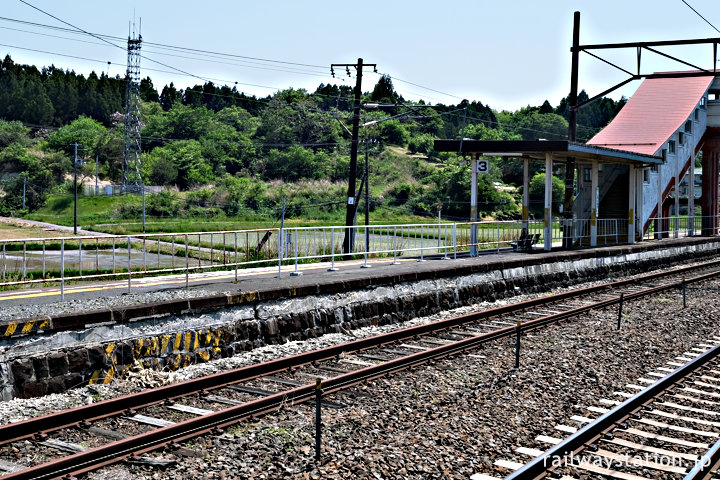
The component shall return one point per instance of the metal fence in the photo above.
(43, 260)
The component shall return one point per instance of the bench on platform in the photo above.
(525, 242)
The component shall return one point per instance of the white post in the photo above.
(593, 204)
(659, 233)
(547, 239)
(129, 266)
(677, 195)
(639, 198)
(473, 205)
(296, 272)
(62, 268)
(187, 264)
(332, 251)
(691, 198)
(526, 195)
(632, 173)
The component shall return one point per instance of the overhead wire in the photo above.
(700, 15)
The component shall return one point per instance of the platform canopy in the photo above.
(561, 150)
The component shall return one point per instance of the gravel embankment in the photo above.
(447, 420)
(457, 416)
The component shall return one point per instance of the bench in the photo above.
(525, 242)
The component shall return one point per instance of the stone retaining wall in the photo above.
(43, 364)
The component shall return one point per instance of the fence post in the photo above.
(187, 264)
(367, 248)
(113, 255)
(318, 395)
(129, 265)
(80, 256)
(517, 344)
(395, 260)
(281, 239)
(498, 237)
(296, 273)
(332, 268)
(43, 257)
(454, 240)
(62, 268)
(422, 236)
(236, 257)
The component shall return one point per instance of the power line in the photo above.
(174, 47)
(699, 15)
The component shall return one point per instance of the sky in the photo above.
(506, 54)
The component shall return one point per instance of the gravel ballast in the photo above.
(450, 419)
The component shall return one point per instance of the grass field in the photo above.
(13, 230)
(101, 214)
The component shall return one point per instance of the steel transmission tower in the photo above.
(132, 178)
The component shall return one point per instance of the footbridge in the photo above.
(628, 176)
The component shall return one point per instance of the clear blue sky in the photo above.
(507, 54)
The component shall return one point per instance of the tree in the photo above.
(147, 91)
(384, 92)
(537, 193)
(84, 130)
(169, 96)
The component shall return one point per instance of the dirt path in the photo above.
(22, 222)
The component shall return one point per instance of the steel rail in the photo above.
(94, 458)
(56, 421)
(539, 467)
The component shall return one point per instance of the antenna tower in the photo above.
(132, 178)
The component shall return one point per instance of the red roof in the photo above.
(659, 107)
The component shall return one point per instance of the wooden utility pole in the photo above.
(350, 211)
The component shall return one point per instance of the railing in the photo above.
(62, 260)
(682, 226)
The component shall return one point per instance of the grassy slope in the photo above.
(393, 166)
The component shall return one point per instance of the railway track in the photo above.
(669, 429)
(103, 433)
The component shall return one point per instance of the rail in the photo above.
(118, 257)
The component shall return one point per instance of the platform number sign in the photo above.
(483, 166)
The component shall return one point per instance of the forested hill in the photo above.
(214, 135)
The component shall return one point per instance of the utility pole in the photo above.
(572, 135)
(350, 211)
(97, 190)
(367, 194)
(24, 185)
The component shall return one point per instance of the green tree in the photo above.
(537, 193)
(85, 131)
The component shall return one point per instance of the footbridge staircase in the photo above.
(677, 119)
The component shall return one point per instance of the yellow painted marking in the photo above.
(11, 329)
(110, 374)
(204, 355)
(187, 361)
(95, 377)
(196, 341)
(109, 349)
(44, 324)
(208, 337)
(188, 341)
(28, 327)
(178, 342)
(164, 343)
